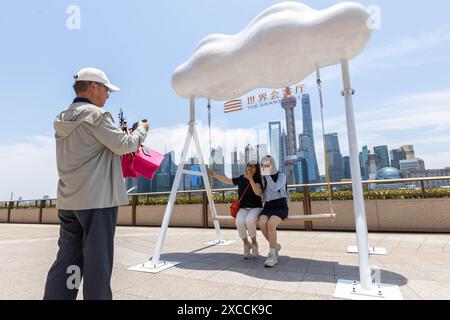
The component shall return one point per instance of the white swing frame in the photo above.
(155, 265)
(363, 289)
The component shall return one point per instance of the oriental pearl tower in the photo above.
(288, 103)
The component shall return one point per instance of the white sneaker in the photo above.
(255, 252)
(247, 248)
(271, 260)
(277, 250)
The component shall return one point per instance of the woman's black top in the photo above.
(250, 199)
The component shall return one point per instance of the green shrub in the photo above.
(315, 196)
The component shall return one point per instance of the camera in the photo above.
(137, 124)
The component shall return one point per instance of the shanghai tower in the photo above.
(306, 142)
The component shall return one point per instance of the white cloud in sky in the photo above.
(421, 119)
(28, 169)
(384, 57)
(409, 44)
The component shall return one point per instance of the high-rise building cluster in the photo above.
(296, 156)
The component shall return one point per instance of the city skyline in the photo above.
(339, 168)
(163, 182)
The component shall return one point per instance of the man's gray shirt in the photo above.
(88, 150)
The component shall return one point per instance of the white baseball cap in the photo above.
(96, 75)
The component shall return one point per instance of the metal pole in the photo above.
(327, 162)
(358, 195)
(135, 203)
(212, 206)
(173, 194)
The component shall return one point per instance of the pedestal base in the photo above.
(149, 267)
(221, 243)
(372, 250)
(348, 289)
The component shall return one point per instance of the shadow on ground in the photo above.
(286, 270)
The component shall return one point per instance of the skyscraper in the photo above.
(383, 154)
(396, 156)
(373, 165)
(218, 166)
(261, 151)
(234, 163)
(283, 152)
(164, 177)
(408, 166)
(242, 165)
(308, 151)
(275, 142)
(250, 154)
(335, 162)
(306, 142)
(437, 173)
(347, 168)
(307, 115)
(363, 156)
(409, 152)
(413, 168)
(192, 182)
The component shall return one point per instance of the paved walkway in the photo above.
(310, 264)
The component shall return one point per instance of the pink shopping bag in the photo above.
(127, 166)
(147, 161)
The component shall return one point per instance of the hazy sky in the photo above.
(402, 82)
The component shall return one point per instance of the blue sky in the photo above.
(402, 78)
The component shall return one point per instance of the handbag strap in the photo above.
(244, 192)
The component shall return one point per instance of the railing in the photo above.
(304, 189)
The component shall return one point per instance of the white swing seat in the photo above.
(312, 217)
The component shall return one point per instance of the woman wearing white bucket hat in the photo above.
(275, 208)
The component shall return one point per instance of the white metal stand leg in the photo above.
(154, 265)
(364, 289)
(219, 240)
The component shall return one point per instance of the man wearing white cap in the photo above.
(90, 189)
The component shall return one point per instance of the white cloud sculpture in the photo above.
(280, 47)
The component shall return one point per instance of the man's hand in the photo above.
(144, 125)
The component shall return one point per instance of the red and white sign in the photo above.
(233, 106)
(262, 100)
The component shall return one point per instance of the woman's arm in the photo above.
(256, 187)
(221, 178)
(280, 184)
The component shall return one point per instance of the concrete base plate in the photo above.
(220, 243)
(372, 250)
(348, 289)
(148, 267)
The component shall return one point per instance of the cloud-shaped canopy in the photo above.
(280, 47)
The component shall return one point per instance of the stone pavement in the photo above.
(310, 264)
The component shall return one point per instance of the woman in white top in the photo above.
(275, 208)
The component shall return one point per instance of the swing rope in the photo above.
(327, 171)
(327, 216)
(211, 163)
